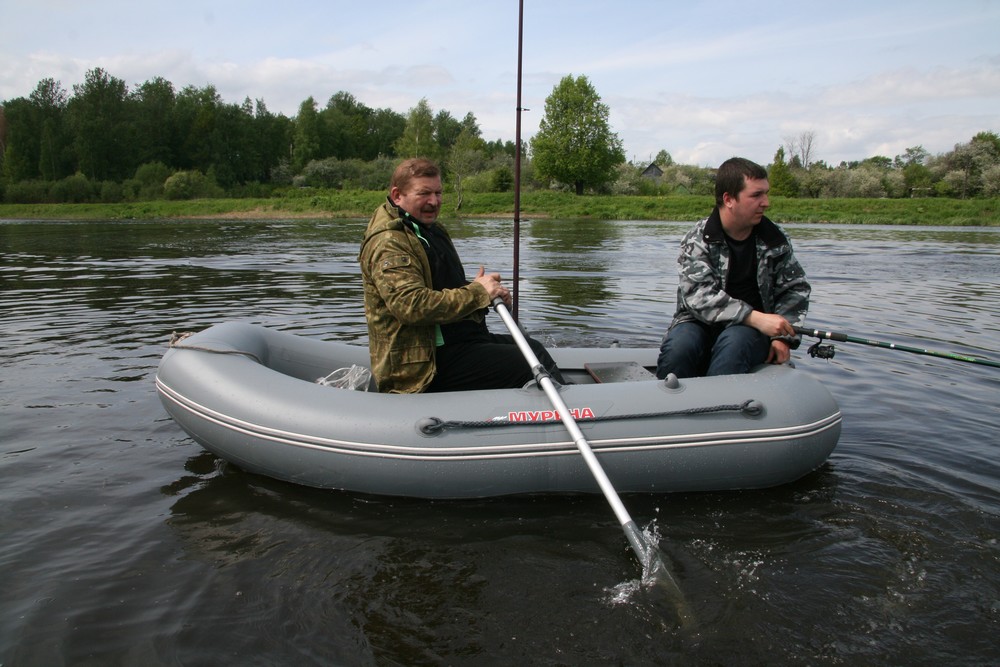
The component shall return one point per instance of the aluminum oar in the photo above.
(648, 555)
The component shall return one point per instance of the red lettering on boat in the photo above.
(548, 415)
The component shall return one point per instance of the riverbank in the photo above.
(563, 205)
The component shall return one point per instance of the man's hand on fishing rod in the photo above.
(772, 325)
(769, 324)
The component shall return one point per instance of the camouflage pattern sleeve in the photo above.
(791, 289)
(403, 285)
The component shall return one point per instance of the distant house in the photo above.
(652, 171)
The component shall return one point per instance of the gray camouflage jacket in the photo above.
(401, 307)
(703, 264)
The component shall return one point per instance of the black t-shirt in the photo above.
(741, 281)
(446, 267)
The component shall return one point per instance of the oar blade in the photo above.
(661, 577)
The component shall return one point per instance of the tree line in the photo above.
(106, 142)
(971, 169)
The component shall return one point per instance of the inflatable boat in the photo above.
(254, 397)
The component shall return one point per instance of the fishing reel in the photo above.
(820, 351)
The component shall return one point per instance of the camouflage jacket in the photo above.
(401, 307)
(703, 265)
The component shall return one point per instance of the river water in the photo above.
(123, 543)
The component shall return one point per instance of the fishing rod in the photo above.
(826, 351)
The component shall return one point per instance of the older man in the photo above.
(426, 320)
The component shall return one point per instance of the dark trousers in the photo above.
(488, 361)
(693, 349)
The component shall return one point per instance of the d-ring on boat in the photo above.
(249, 395)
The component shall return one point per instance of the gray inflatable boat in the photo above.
(250, 395)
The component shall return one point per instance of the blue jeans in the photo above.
(693, 349)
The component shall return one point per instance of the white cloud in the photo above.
(870, 79)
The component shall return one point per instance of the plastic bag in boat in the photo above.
(356, 377)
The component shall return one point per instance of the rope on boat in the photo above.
(434, 425)
(176, 338)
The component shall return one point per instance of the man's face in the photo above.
(749, 206)
(422, 198)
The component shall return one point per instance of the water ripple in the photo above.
(125, 543)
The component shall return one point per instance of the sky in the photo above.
(702, 80)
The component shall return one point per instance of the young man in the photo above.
(741, 289)
(426, 321)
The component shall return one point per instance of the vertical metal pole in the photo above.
(517, 165)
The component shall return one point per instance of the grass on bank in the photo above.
(562, 205)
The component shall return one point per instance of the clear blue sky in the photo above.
(704, 81)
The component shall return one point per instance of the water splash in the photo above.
(657, 578)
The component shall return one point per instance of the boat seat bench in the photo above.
(629, 371)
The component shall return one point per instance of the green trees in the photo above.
(431, 135)
(574, 143)
(467, 157)
(345, 127)
(104, 133)
(386, 127)
(418, 135)
(97, 113)
(49, 100)
(965, 167)
(306, 141)
(153, 122)
(664, 159)
(780, 176)
(108, 143)
(970, 170)
(446, 131)
(268, 137)
(352, 130)
(26, 120)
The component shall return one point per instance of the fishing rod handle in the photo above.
(829, 335)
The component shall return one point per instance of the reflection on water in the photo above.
(125, 543)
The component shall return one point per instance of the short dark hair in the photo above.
(732, 175)
(407, 170)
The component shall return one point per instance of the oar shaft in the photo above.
(632, 533)
(845, 338)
